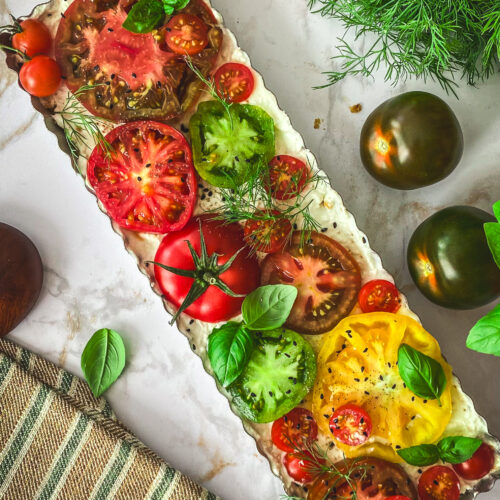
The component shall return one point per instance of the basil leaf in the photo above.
(420, 456)
(103, 360)
(229, 349)
(268, 307)
(485, 334)
(492, 231)
(457, 449)
(423, 375)
(144, 16)
(496, 210)
(170, 5)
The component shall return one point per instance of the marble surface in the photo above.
(164, 396)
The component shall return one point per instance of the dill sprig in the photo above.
(79, 125)
(430, 40)
(216, 93)
(318, 462)
(253, 201)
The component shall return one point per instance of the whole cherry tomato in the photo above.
(33, 39)
(478, 465)
(40, 76)
(439, 483)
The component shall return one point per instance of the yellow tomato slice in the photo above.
(357, 363)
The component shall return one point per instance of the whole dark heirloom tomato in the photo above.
(410, 141)
(370, 479)
(132, 76)
(449, 259)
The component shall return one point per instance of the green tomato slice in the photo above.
(229, 144)
(279, 374)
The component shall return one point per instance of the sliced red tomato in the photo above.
(224, 239)
(326, 276)
(40, 76)
(267, 234)
(287, 176)
(379, 295)
(148, 183)
(439, 483)
(300, 466)
(186, 34)
(234, 82)
(34, 38)
(133, 76)
(478, 465)
(369, 479)
(351, 425)
(293, 430)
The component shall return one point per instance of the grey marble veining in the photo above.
(164, 395)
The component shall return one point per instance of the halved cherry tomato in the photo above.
(327, 278)
(287, 176)
(369, 478)
(439, 483)
(234, 82)
(267, 235)
(34, 39)
(351, 425)
(186, 34)
(40, 76)
(379, 295)
(299, 467)
(224, 239)
(294, 430)
(148, 184)
(478, 465)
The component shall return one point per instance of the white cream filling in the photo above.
(327, 208)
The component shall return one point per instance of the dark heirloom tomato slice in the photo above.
(370, 479)
(224, 239)
(234, 82)
(186, 34)
(351, 425)
(379, 295)
(439, 483)
(287, 176)
(294, 429)
(148, 184)
(267, 235)
(135, 76)
(327, 278)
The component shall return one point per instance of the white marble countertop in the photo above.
(164, 396)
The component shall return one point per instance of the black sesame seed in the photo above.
(326, 415)
(362, 420)
(329, 370)
(139, 179)
(188, 329)
(253, 395)
(362, 369)
(294, 343)
(366, 349)
(110, 29)
(425, 401)
(136, 150)
(419, 471)
(357, 379)
(168, 29)
(184, 128)
(191, 321)
(324, 229)
(210, 193)
(108, 83)
(436, 482)
(289, 391)
(202, 197)
(112, 76)
(270, 394)
(148, 165)
(367, 393)
(96, 67)
(380, 377)
(413, 418)
(364, 239)
(413, 398)
(366, 378)
(334, 225)
(134, 75)
(321, 396)
(398, 447)
(394, 386)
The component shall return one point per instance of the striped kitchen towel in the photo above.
(58, 441)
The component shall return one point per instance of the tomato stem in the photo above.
(19, 52)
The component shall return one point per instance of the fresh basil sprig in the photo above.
(452, 450)
(146, 15)
(268, 307)
(103, 360)
(485, 334)
(423, 375)
(230, 346)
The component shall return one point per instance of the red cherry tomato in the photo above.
(351, 425)
(224, 239)
(267, 235)
(186, 34)
(439, 483)
(379, 295)
(287, 176)
(234, 82)
(299, 467)
(478, 465)
(398, 497)
(40, 76)
(294, 429)
(34, 39)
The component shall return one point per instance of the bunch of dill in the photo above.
(437, 39)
